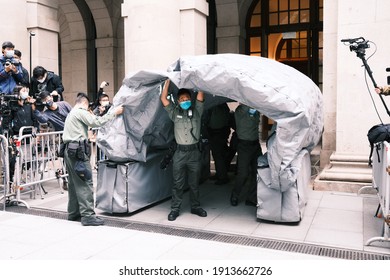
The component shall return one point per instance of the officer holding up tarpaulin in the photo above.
(186, 160)
(76, 156)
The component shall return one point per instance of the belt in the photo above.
(187, 148)
(248, 142)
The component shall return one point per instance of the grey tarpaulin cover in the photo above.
(278, 91)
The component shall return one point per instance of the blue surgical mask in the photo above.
(252, 111)
(185, 105)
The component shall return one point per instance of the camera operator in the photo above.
(43, 80)
(55, 113)
(383, 90)
(96, 102)
(26, 76)
(10, 72)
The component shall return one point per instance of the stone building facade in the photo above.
(88, 41)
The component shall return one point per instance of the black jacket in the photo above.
(52, 82)
(23, 116)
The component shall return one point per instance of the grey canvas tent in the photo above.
(278, 91)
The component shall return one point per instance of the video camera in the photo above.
(358, 45)
(8, 103)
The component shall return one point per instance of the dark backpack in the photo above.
(377, 133)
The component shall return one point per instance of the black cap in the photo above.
(7, 44)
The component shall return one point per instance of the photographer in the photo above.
(103, 106)
(43, 80)
(26, 76)
(55, 113)
(96, 97)
(10, 72)
(383, 90)
(21, 111)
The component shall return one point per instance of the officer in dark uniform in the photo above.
(248, 150)
(219, 131)
(186, 160)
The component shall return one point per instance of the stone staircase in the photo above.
(344, 173)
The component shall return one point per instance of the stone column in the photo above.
(42, 20)
(229, 33)
(158, 32)
(106, 49)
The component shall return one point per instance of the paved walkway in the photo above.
(29, 237)
(335, 226)
(331, 219)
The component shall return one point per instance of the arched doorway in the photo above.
(289, 31)
(91, 48)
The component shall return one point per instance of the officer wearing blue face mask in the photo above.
(248, 150)
(186, 160)
(10, 72)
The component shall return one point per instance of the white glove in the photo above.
(103, 84)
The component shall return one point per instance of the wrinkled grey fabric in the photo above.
(278, 91)
(287, 205)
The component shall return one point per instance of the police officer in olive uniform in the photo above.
(187, 157)
(75, 138)
(248, 150)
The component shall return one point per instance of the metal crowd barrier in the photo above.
(4, 169)
(35, 163)
(381, 183)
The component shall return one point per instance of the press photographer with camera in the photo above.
(21, 111)
(55, 113)
(103, 106)
(43, 80)
(21, 115)
(26, 76)
(10, 71)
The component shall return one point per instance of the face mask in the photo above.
(252, 111)
(185, 105)
(9, 54)
(42, 80)
(105, 103)
(24, 95)
(49, 103)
